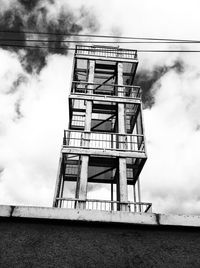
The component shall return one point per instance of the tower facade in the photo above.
(104, 146)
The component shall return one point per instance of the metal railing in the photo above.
(103, 140)
(106, 89)
(107, 52)
(104, 205)
(78, 121)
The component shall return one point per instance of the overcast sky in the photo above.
(33, 97)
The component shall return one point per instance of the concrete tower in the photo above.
(105, 142)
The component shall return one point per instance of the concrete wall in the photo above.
(43, 242)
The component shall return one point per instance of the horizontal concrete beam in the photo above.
(98, 216)
(104, 98)
(102, 152)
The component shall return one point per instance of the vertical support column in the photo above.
(122, 182)
(134, 198)
(140, 142)
(61, 202)
(139, 129)
(81, 191)
(111, 189)
(58, 181)
(139, 196)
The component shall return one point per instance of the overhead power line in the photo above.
(163, 51)
(98, 36)
(108, 50)
(97, 42)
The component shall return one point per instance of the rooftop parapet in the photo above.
(30, 212)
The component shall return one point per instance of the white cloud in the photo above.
(30, 149)
(171, 176)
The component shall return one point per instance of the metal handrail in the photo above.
(85, 131)
(104, 140)
(129, 91)
(97, 84)
(106, 205)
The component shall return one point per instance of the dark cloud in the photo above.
(29, 5)
(197, 127)
(178, 66)
(64, 24)
(34, 16)
(1, 173)
(18, 113)
(21, 79)
(12, 20)
(88, 19)
(34, 59)
(149, 80)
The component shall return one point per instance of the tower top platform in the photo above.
(106, 52)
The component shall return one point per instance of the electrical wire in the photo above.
(150, 40)
(108, 50)
(167, 51)
(98, 36)
(35, 47)
(98, 42)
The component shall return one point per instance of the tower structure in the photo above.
(105, 143)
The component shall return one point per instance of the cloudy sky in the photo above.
(34, 86)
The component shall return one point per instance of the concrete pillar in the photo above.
(139, 195)
(111, 189)
(139, 129)
(81, 191)
(58, 182)
(140, 140)
(83, 178)
(122, 181)
(123, 187)
(134, 198)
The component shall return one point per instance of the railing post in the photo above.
(86, 89)
(82, 140)
(74, 87)
(64, 138)
(85, 138)
(139, 195)
(135, 56)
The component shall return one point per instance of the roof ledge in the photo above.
(48, 213)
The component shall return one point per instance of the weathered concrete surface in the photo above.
(46, 237)
(98, 216)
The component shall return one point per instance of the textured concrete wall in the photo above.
(63, 243)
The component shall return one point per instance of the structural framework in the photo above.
(105, 143)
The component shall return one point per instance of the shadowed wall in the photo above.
(51, 243)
